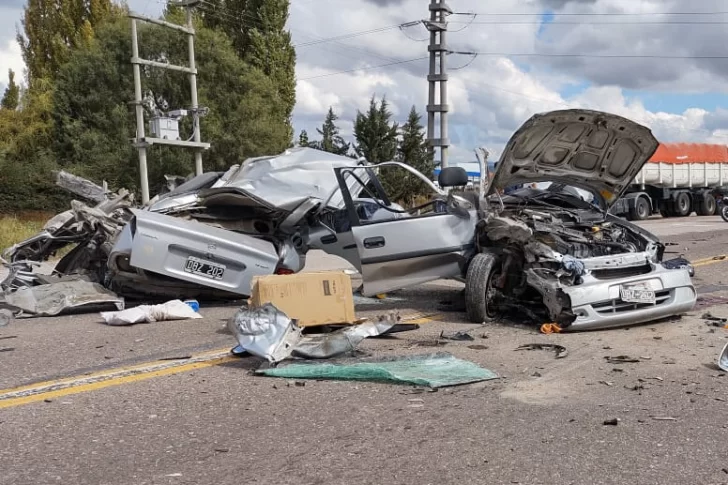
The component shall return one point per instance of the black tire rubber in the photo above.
(724, 213)
(478, 277)
(681, 205)
(641, 210)
(706, 205)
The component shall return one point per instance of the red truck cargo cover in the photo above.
(690, 153)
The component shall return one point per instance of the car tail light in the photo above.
(282, 271)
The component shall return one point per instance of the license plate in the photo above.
(208, 269)
(637, 294)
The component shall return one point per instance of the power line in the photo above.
(357, 34)
(561, 22)
(220, 14)
(595, 56)
(593, 14)
(369, 68)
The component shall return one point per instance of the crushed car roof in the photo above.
(284, 181)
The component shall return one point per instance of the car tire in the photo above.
(477, 283)
(681, 205)
(706, 206)
(641, 210)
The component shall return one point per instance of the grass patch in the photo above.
(14, 229)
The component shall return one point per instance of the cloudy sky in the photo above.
(535, 56)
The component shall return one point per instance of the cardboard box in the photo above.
(319, 298)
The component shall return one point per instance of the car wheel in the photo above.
(479, 289)
(681, 206)
(641, 210)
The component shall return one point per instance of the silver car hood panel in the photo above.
(592, 150)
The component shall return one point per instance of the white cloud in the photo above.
(10, 58)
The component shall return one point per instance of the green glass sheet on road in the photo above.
(432, 370)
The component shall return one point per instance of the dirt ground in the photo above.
(541, 422)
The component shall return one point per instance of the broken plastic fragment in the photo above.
(560, 350)
(723, 359)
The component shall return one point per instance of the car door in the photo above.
(404, 252)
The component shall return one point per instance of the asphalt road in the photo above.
(128, 418)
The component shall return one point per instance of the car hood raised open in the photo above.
(596, 151)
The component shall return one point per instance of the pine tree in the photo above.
(53, 28)
(303, 139)
(331, 140)
(11, 97)
(376, 138)
(270, 48)
(413, 151)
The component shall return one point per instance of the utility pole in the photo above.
(437, 26)
(165, 129)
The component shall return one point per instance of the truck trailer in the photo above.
(679, 179)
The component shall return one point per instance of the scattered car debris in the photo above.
(172, 310)
(56, 298)
(6, 316)
(478, 347)
(723, 359)
(663, 418)
(432, 370)
(7, 349)
(621, 359)
(268, 332)
(611, 422)
(679, 263)
(457, 336)
(560, 350)
(549, 328)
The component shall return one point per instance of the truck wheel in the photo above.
(478, 287)
(681, 205)
(641, 210)
(706, 205)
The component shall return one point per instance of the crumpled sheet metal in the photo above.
(53, 299)
(287, 179)
(723, 359)
(432, 370)
(265, 331)
(269, 333)
(327, 345)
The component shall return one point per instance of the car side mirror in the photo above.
(452, 177)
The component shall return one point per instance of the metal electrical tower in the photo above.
(165, 128)
(437, 25)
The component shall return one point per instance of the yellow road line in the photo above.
(107, 372)
(40, 391)
(112, 377)
(114, 381)
(712, 259)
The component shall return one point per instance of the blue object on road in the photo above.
(194, 304)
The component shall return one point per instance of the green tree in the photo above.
(413, 151)
(93, 123)
(53, 28)
(257, 31)
(303, 139)
(331, 141)
(12, 93)
(375, 133)
(26, 160)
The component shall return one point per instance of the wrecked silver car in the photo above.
(546, 252)
(588, 268)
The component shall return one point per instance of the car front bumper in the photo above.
(597, 303)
